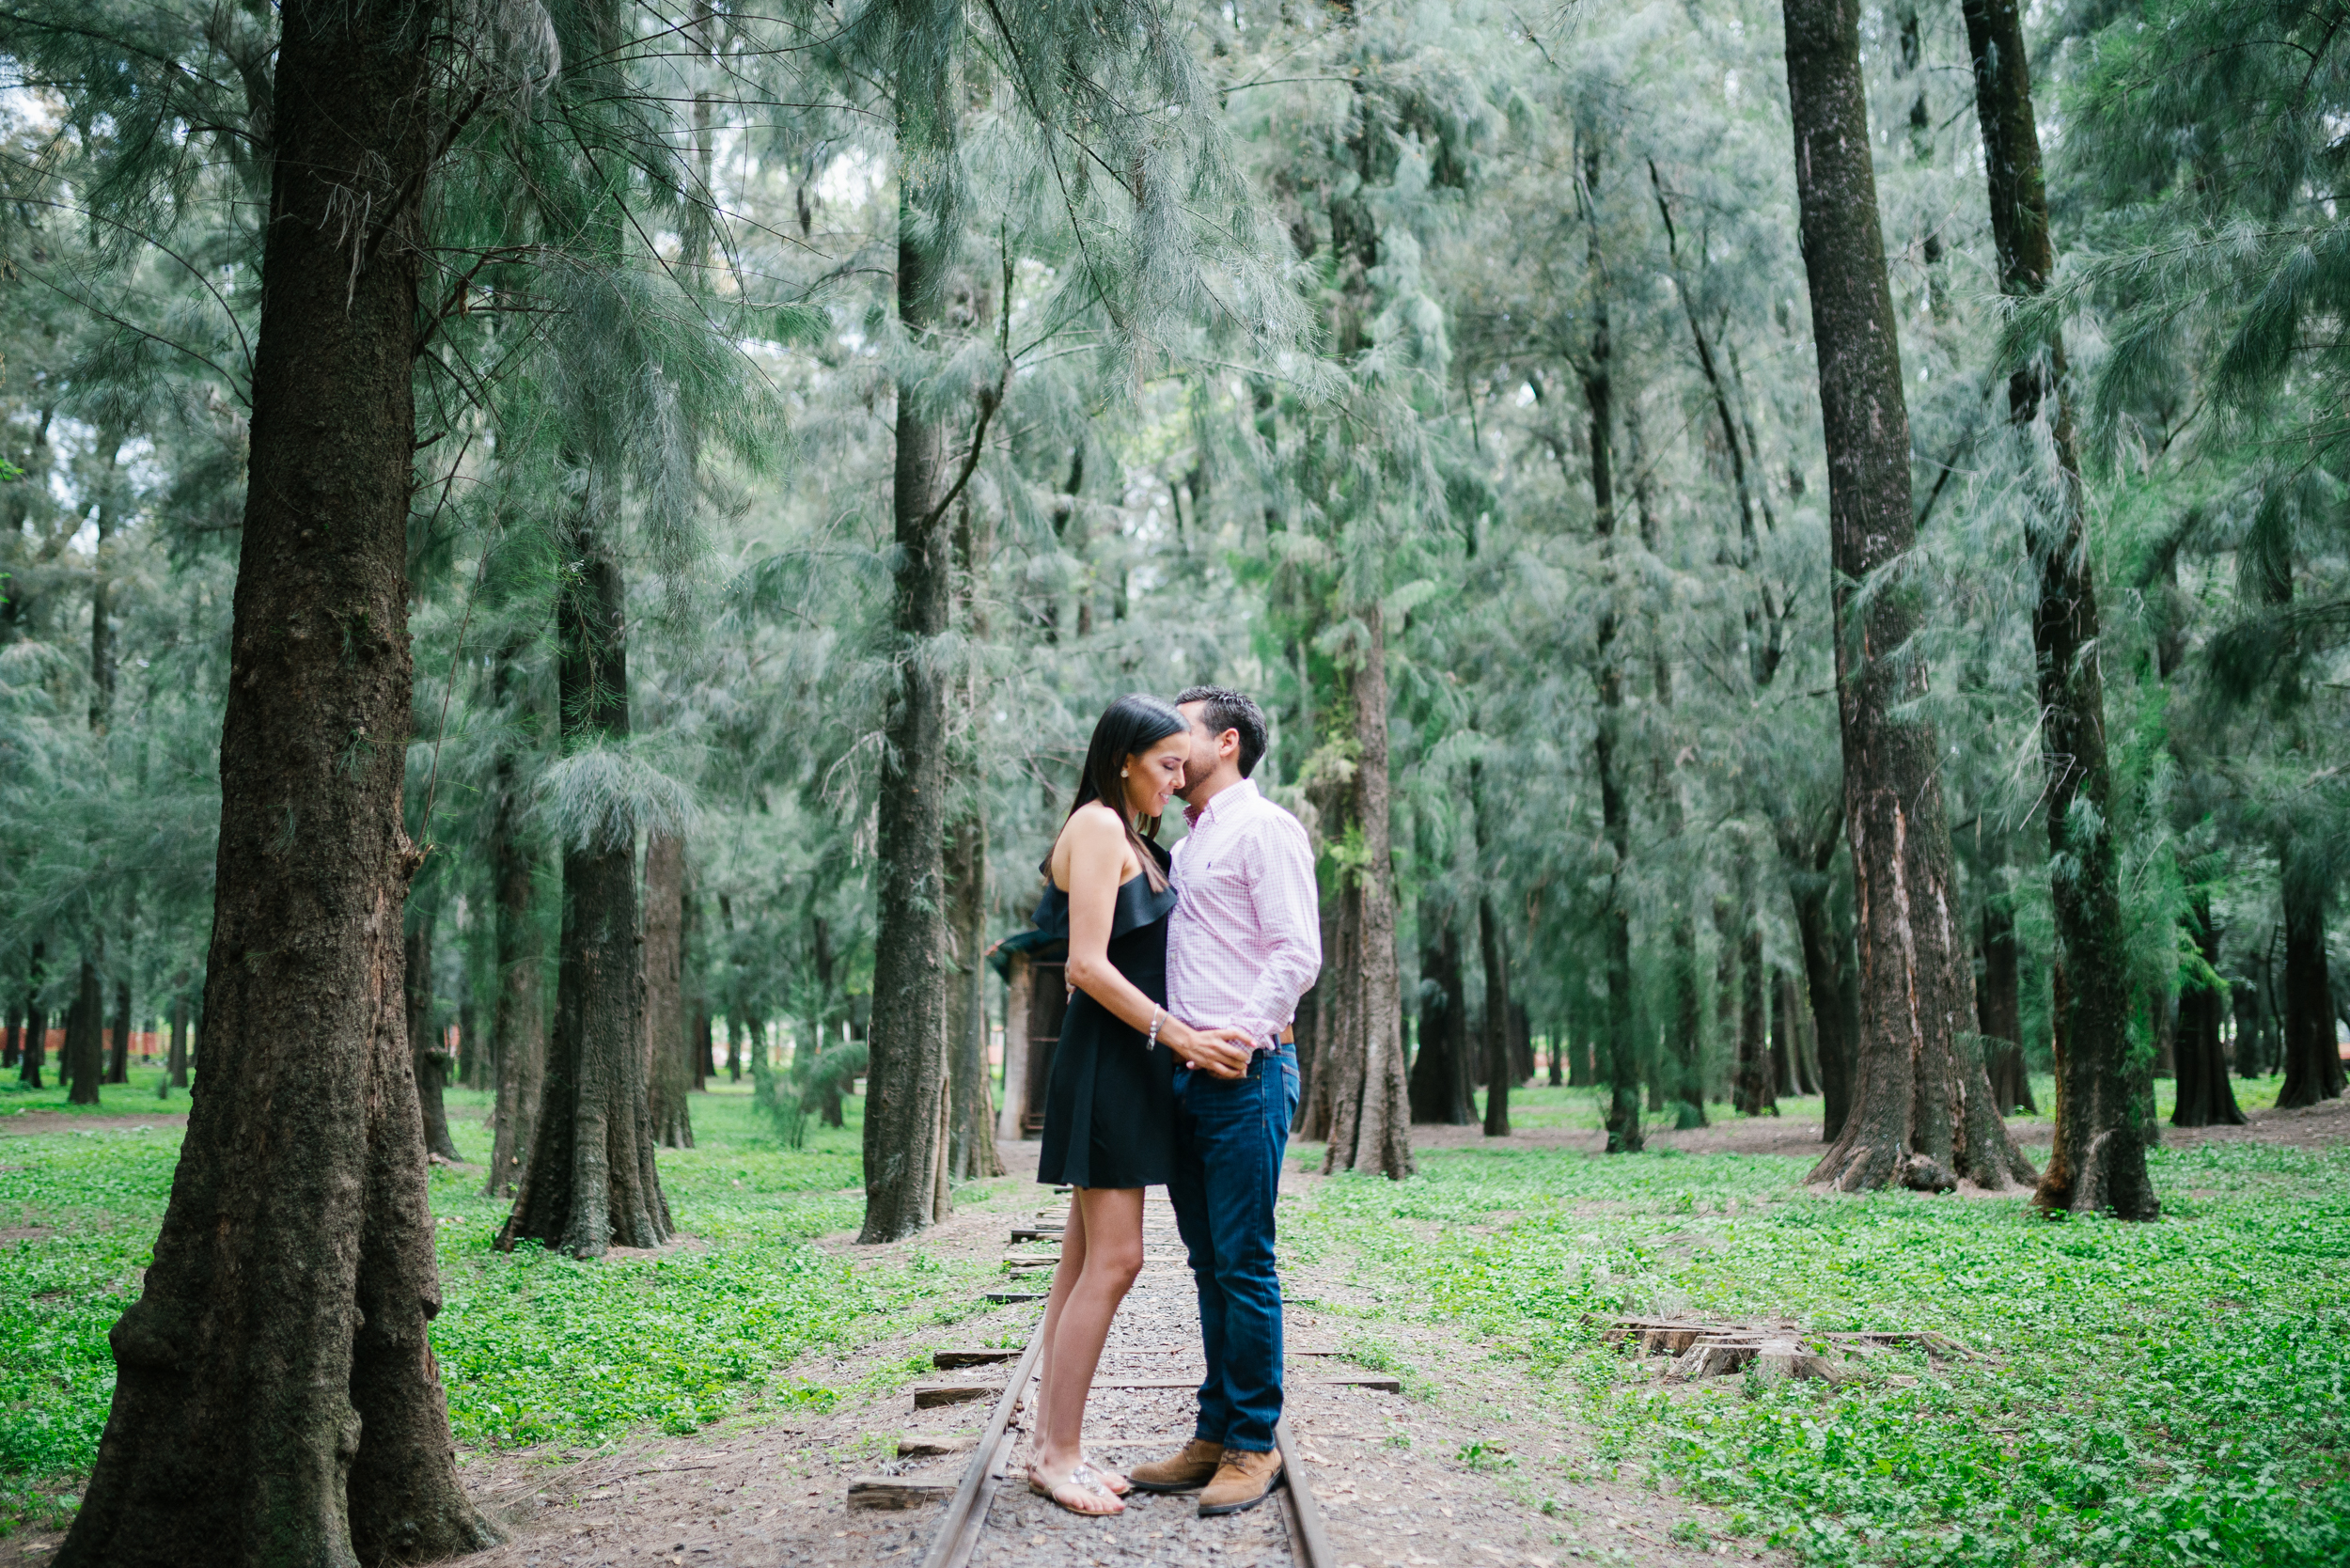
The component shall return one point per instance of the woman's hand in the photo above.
(1222, 1053)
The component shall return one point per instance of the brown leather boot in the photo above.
(1243, 1481)
(1185, 1472)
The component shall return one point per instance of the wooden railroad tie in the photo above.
(947, 1360)
(929, 1445)
(897, 1491)
(1701, 1349)
(1002, 1297)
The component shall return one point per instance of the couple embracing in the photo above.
(1185, 971)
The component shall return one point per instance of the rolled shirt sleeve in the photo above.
(1289, 924)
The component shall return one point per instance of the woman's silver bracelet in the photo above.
(1158, 1016)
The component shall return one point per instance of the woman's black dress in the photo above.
(1109, 1106)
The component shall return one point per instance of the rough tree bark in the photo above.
(427, 1061)
(906, 1100)
(589, 1181)
(664, 950)
(2206, 1097)
(2313, 1065)
(1439, 1088)
(1922, 1090)
(518, 1042)
(277, 1399)
(1358, 1086)
(2098, 1159)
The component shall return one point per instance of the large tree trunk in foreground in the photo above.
(517, 1031)
(277, 1399)
(589, 1181)
(665, 990)
(2206, 1097)
(1921, 1089)
(429, 1062)
(2098, 1159)
(1439, 1086)
(907, 1104)
(1360, 1091)
(2313, 1064)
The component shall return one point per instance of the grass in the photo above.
(2171, 1393)
(536, 1349)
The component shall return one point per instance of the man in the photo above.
(1244, 942)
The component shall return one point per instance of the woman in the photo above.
(1109, 1118)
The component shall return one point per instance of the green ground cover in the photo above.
(536, 1349)
(2170, 1394)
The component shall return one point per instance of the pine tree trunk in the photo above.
(277, 1398)
(427, 1060)
(971, 1144)
(1358, 1051)
(1621, 1066)
(2098, 1160)
(1500, 1069)
(2205, 1097)
(589, 1181)
(118, 1047)
(1922, 1090)
(906, 1097)
(178, 1062)
(28, 1065)
(2313, 1064)
(16, 1036)
(971, 1154)
(1798, 1065)
(1755, 1089)
(2000, 1008)
(1439, 1087)
(664, 951)
(86, 1039)
(518, 1041)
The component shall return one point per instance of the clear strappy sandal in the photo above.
(1082, 1481)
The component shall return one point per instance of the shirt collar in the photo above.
(1230, 793)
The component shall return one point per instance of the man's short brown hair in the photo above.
(1225, 709)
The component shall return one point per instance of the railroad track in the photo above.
(1141, 1408)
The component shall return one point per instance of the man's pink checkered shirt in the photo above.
(1244, 942)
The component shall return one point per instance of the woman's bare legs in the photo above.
(1101, 1252)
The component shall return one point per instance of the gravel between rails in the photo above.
(1155, 1335)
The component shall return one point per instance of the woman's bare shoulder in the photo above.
(1093, 825)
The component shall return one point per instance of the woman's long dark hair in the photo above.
(1130, 725)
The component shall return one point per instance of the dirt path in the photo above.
(1390, 1469)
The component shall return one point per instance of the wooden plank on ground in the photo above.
(896, 1492)
(929, 1396)
(945, 1360)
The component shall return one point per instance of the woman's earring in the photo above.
(1122, 772)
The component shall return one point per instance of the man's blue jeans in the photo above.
(1229, 1138)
